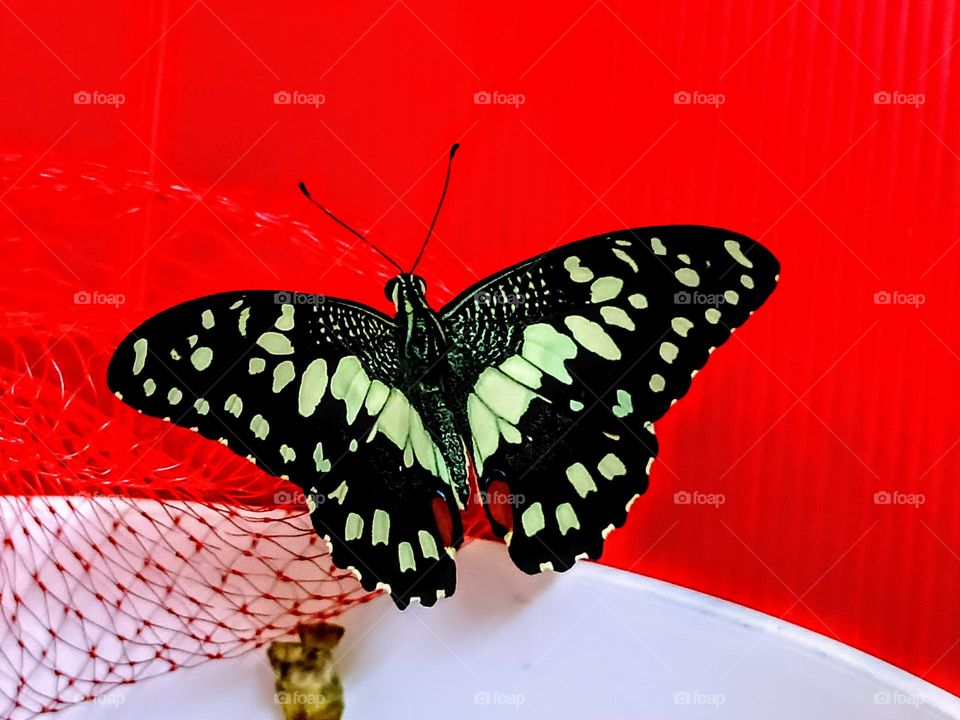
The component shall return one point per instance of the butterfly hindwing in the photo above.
(562, 364)
(312, 392)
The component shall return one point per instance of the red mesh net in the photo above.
(129, 547)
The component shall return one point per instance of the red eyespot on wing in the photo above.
(441, 515)
(499, 504)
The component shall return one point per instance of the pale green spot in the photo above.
(611, 466)
(402, 424)
(394, 419)
(376, 397)
(580, 478)
(638, 300)
(624, 404)
(532, 519)
(657, 382)
(626, 258)
(354, 527)
(428, 546)
(201, 358)
(576, 405)
(242, 321)
(605, 288)
(323, 465)
(259, 427)
(353, 445)
(275, 343)
(283, 375)
(733, 247)
(731, 297)
(681, 326)
(746, 281)
(139, 355)
(201, 406)
(523, 371)
(713, 316)
(206, 319)
(381, 527)
(503, 395)
(149, 387)
(483, 428)
(256, 365)
(405, 557)
(616, 316)
(658, 247)
(237, 304)
(174, 355)
(339, 494)
(313, 384)
(688, 277)
(577, 273)
(350, 383)
(592, 336)
(684, 258)
(285, 321)
(234, 405)
(548, 350)
(174, 396)
(288, 453)
(567, 518)
(193, 339)
(669, 351)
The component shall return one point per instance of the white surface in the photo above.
(592, 643)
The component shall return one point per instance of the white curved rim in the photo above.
(711, 606)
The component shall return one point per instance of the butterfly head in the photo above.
(406, 291)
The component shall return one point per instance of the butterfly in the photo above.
(547, 377)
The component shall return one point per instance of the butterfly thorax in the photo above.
(423, 349)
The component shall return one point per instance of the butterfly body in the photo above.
(546, 377)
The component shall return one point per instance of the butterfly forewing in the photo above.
(312, 391)
(562, 364)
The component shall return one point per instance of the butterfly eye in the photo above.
(390, 290)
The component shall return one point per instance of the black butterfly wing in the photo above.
(308, 388)
(561, 365)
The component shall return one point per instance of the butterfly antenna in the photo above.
(341, 223)
(446, 184)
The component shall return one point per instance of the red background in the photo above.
(825, 397)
